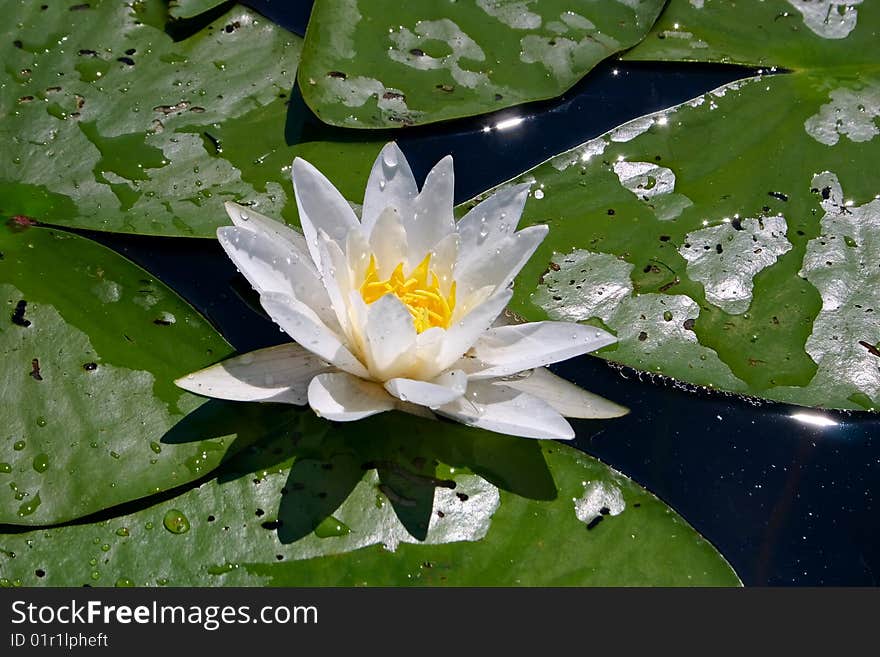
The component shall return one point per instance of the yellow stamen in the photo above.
(424, 300)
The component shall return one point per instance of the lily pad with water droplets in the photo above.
(109, 124)
(396, 500)
(730, 242)
(386, 64)
(90, 346)
(795, 34)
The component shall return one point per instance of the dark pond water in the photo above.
(785, 493)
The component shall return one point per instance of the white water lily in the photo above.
(400, 309)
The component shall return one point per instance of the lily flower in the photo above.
(401, 308)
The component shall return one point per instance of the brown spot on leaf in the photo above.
(35, 370)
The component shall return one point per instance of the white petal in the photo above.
(509, 349)
(245, 217)
(494, 218)
(358, 311)
(467, 302)
(321, 207)
(342, 397)
(302, 324)
(500, 408)
(443, 258)
(498, 263)
(431, 219)
(275, 374)
(437, 392)
(272, 265)
(390, 336)
(463, 334)
(427, 350)
(567, 398)
(357, 253)
(388, 242)
(336, 279)
(391, 184)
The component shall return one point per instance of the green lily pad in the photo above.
(386, 64)
(393, 500)
(90, 346)
(730, 242)
(796, 34)
(110, 125)
(191, 8)
(256, 145)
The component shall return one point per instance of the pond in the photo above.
(726, 428)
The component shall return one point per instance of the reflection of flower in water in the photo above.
(400, 309)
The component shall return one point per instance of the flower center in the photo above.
(419, 292)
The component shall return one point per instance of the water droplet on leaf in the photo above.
(175, 522)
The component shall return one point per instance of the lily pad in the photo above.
(109, 124)
(191, 8)
(386, 64)
(730, 242)
(394, 500)
(795, 34)
(90, 346)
